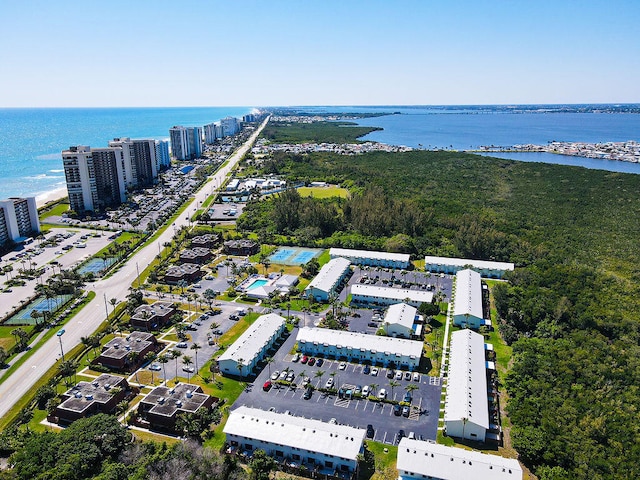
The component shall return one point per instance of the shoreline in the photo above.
(44, 198)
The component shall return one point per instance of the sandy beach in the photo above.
(56, 194)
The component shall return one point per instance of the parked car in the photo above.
(275, 375)
(305, 359)
(181, 345)
(416, 377)
(366, 370)
(407, 397)
(405, 411)
(189, 369)
(374, 372)
(234, 317)
(155, 367)
(370, 431)
(311, 362)
(290, 376)
(306, 381)
(382, 394)
(329, 383)
(399, 375)
(307, 393)
(390, 373)
(358, 390)
(401, 435)
(283, 375)
(407, 375)
(366, 390)
(266, 386)
(342, 365)
(397, 410)
(295, 358)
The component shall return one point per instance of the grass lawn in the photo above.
(146, 436)
(384, 466)
(58, 209)
(323, 192)
(7, 340)
(324, 258)
(238, 329)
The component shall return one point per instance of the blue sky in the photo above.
(261, 53)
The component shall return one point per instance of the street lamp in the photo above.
(59, 334)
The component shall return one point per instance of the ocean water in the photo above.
(31, 140)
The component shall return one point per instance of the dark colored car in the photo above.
(407, 397)
(311, 362)
(307, 393)
(390, 373)
(267, 386)
(370, 431)
(405, 411)
(366, 370)
(305, 359)
(319, 362)
(397, 410)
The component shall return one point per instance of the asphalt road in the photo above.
(117, 286)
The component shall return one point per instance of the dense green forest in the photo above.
(570, 309)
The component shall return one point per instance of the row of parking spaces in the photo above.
(390, 373)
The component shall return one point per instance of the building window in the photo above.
(328, 464)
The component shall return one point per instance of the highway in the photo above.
(86, 322)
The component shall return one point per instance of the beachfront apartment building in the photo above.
(466, 408)
(467, 304)
(230, 126)
(186, 142)
(486, 268)
(419, 460)
(327, 448)
(18, 219)
(95, 178)
(163, 159)
(329, 279)
(139, 161)
(374, 259)
(249, 349)
(360, 347)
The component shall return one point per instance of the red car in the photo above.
(312, 361)
(305, 359)
(267, 386)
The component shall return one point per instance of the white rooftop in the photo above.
(357, 341)
(329, 274)
(463, 262)
(399, 294)
(284, 429)
(467, 380)
(452, 463)
(346, 252)
(468, 299)
(251, 342)
(401, 314)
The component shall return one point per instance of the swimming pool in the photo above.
(259, 282)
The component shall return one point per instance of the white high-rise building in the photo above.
(186, 142)
(138, 160)
(18, 219)
(210, 133)
(230, 126)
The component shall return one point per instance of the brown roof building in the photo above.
(90, 398)
(117, 353)
(160, 408)
(152, 317)
(188, 272)
(241, 247)
(198, 255)
(208, 240)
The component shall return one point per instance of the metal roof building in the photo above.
(486, 268)
(360, 346)
(328, 446)
(365, 294)
(245, 353)
(467, 305)
(419, 460)
(328, 279)
(466, 409)
(399, 320)
(378, 259)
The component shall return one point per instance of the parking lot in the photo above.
(422, 419)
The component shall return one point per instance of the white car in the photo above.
(398, 374)
(188, 369)
(275, 375)
(416, 377)
(366, 390)
(342, 365)
(329, 383)
(374, 372)
(382, 394)
(155, 367)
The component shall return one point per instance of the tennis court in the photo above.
(40, 304)
(96, 265)
(294, 255)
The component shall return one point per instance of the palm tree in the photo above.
(132, 357)
(175, 354)
(393, 384)
(150, 357)
(35, 314)
(374, 388)
(163, 359)
(319, 375)
(411, 388)
(195, 347)
(113, 303)
(186, 361)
